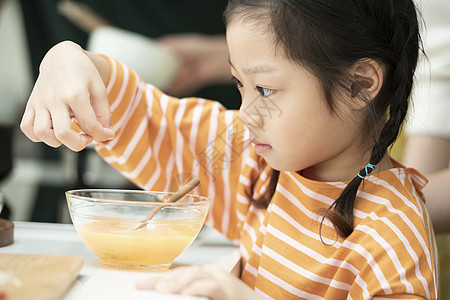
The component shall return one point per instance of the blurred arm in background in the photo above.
(203, 61)
(430, 155)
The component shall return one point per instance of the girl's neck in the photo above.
(343, 170)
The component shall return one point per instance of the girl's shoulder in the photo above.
(395, 196)
(397, 183)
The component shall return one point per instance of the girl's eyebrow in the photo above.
(256, 68)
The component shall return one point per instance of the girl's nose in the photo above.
(249, 113)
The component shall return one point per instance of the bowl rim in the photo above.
(71, 193)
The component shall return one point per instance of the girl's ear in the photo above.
(368, 75)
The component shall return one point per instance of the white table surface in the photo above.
(97, 282)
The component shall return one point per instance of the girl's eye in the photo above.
(264, 92)
(238, 83)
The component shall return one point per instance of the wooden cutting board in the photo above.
(37, 276)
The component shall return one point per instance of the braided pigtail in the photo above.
(394, 97)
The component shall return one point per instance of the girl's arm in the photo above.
(155, 140)
(71, 85)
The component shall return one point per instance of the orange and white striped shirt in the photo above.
(390, 254)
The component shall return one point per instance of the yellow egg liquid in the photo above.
(153, 247)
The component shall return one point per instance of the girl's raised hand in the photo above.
(71, 85)
(207, 281)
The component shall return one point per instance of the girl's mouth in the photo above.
(261, 148)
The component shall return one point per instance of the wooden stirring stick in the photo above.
(174, 198)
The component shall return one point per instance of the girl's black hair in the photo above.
(328, 37)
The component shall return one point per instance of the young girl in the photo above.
(300, 179)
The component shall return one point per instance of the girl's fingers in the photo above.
(173, 281)
(100, 104)
(87, 118)
(204, 287)
(27, 125)
(62, 129)
(52, 128)
(43, 128)
(209, 281)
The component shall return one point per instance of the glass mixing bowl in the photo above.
(107, 220)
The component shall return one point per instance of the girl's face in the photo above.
(286, 112)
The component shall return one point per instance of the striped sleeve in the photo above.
(160, 140)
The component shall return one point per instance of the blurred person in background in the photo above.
(427, 145)
(428, 131)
